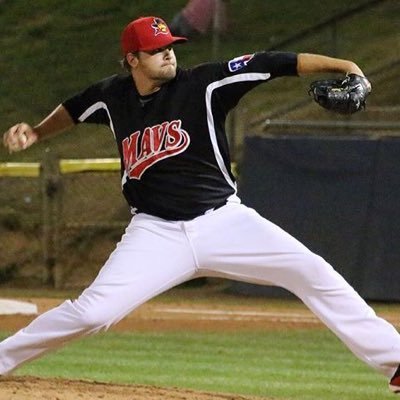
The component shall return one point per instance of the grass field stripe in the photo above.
(226, 314)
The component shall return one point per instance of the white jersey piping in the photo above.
(210, 118)
(95, 107)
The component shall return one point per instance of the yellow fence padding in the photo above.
(32, 169)
(90, 164)
(69, 166)
(20, 169)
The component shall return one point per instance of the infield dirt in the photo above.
(32, 388)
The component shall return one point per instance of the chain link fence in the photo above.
(20, 227)
(58, 228)
(93, 214)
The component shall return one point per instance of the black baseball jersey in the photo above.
(175, 161)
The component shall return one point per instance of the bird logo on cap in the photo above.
(160, 27)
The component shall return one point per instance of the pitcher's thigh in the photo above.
(142, 266)
(250, 248)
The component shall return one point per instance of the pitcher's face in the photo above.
(158, 65)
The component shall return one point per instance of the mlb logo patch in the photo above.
(239, 62)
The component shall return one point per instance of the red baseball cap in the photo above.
(146, 34)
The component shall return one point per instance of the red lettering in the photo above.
(129, 149)
(174, 135)
(159, 132)
(146, 148)
(157, 143)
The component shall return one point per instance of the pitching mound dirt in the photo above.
(31, 388)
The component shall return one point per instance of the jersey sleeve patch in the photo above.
(239, 62)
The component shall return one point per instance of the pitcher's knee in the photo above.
(90, 319)
(95, 321)
(311, 267)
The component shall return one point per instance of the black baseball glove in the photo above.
(344, 96)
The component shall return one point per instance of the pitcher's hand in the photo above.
(19, 137)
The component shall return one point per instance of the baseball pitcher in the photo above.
(188, 221)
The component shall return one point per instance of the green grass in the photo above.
(301, 364)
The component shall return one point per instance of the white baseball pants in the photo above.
(232, 242)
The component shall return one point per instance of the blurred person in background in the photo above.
(198, 16)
